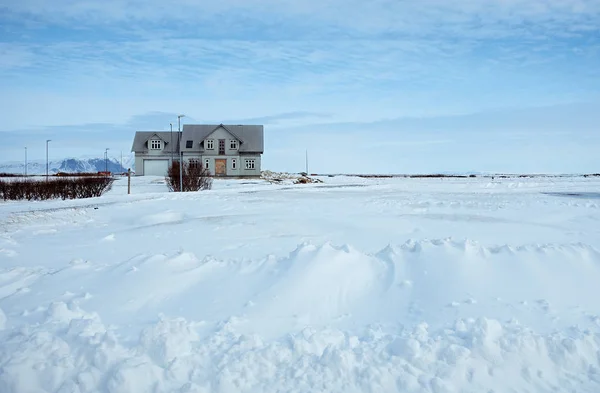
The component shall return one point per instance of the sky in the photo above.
(378, 86)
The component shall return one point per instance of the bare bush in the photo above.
(195, 177)
(39, 190)
(4, 174)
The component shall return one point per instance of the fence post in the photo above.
(128, 181)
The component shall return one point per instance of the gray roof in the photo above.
(251, 136)
(142, 137)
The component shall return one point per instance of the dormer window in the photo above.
(155, 144)
(233, 144)
(210, 144)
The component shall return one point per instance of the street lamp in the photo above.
(25, 161)
(171, 124)
(106, 159)
(179, 131)
(179, 122)
(47, 141)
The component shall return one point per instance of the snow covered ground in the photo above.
(353, 285)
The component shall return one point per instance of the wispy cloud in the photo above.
(332, 65)
(346, 17)
(285, 118)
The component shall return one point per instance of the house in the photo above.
(226, 150)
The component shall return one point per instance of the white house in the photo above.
(226, 150)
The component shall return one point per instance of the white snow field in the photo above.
(352, 285)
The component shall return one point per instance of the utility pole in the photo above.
(180, 152)
(47, 141)
(25, 161)
(120, 170)
(306, 162)
(172, 158)
(106, 159)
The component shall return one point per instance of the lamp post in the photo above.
(47, 141)
(179, 122)
(180, 152)
(171, 124)
(106, 159)
(179, 133)
(25, 161)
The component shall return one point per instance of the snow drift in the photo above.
(323, 318)
(213, 292)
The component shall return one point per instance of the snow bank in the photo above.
(323, 318)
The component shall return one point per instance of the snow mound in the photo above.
(322, 318)
(278, 177)
(319, 284)
(72, 350)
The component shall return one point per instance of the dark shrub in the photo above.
(195, 177)
(63, 188)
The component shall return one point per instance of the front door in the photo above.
(220, 167)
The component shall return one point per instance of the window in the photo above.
(194, 163)
(210, 144)
(206, 163)
(221, 147)
(233, 144)
(233, 163)
(155, 144)
(189, 144)
(250, 164)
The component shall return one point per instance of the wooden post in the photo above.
(128, 181)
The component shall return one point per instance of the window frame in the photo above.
(250, 164)
(234, 163)
(189, 144)
(210, 144)
(233, 144)
(155, 144)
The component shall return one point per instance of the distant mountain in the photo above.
(69, 165)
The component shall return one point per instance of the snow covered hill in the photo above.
(353, 285)
(70, 165)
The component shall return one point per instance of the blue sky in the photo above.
(387, 86)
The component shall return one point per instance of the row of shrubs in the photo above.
(81, 174)
(57, 188)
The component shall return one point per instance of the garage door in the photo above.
(155, 167)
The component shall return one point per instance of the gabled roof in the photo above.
(251, 137)
(226, 128)
(141, 139)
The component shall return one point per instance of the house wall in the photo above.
(241, 164)
(250, 172)
(221, 133)
(139, 165)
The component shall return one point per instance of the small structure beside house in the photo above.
(226, 150)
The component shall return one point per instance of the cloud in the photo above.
(228, 79)
(285, 118)
(323, 18)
